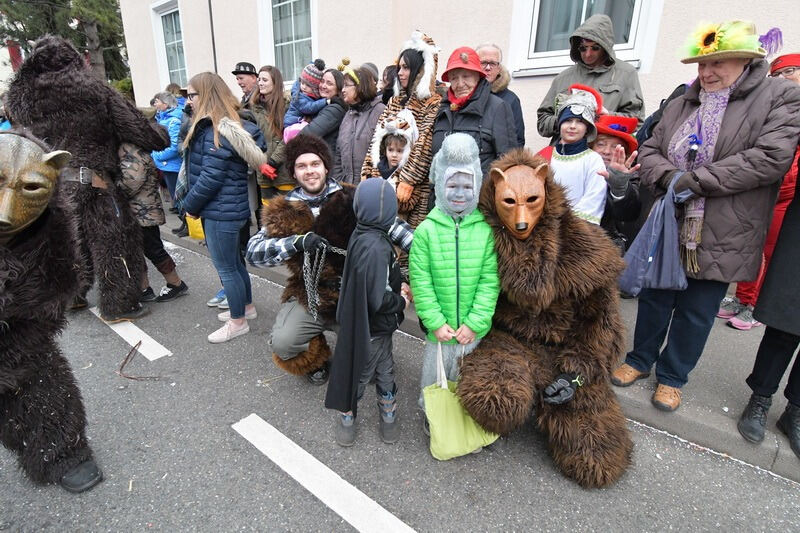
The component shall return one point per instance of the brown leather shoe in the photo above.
(625, 375)
(667, 398)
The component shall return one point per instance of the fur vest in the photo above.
(336, 222)
(558, 288)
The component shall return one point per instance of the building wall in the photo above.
(374, 31)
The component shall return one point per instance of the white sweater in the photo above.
(585, 188)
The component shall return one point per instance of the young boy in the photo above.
(575, 166)
(452, 263)
(392, 142)
(370, 309)
(392, 148)
(306, 100)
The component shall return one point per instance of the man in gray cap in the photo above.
(246, 79)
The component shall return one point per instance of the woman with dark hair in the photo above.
(219, 148)
(268, 105)
(413, 90)
(355, 133)
(326, 123)
(386, 85)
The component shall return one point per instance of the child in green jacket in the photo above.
(452, 263)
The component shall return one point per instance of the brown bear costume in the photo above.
(557, 316)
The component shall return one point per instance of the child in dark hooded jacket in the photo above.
(371, 303)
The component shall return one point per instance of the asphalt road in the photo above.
(173, 462)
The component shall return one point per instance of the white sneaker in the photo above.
(227, 332)
(249, 315)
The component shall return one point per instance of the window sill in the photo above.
(552, 71)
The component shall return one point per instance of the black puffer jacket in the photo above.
(326, 123)
(486, 117)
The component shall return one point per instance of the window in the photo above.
(541, 30)
(291, 26)
(173, 44)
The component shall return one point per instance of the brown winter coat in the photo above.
(757, 140)
(355, 135)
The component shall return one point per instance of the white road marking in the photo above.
(344, 499)
(131, 334)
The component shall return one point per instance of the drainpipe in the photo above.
(213, 41)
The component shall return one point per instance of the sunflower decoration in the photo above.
(727, 39)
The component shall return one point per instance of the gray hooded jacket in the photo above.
(617, 81)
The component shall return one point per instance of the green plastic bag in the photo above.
(453, 432)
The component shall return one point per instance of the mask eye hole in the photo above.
(509, 201)
(32, 187)
(532, 199)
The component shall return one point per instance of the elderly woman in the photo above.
(360, 92)
(168, 160)
(325, 124)
(726, 179)
(471, 108)
(414, 90)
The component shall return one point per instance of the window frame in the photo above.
(159, 9)
(638, 51)
(266, 42)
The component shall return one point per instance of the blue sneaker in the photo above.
(217, 299)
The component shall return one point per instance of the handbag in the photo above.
(653, 260)
(453, 431)
(195, 227)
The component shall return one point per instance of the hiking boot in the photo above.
(180, 229)
(249, 315)
(753, 421)
(319, 376)
(667, 398)
(345, 430)
(729, 307)
(170, 292)
(215, 301)
(82, 478)
(744, 320)
(789, 424)
(228, 332)
(133, 314)
(147, 295)
(625, 375)
(389, 429)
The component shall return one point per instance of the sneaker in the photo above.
(345, 430)
(625, 375)
(249, 315)
(137, 312)
(667, 398)
(148, 295)
(744, 320)
(319, 376)
(215, 301)
(227, 332)
(170, 292)
(729, 307)
(224, 304)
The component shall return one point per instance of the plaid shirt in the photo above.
(264, 251)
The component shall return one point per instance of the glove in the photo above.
(617, 182)
(562, 389)
(268, 170)
(309, 242)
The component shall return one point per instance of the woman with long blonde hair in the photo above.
(218, 150)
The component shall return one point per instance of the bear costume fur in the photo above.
(558, 312)
(61, 102)
(42, 417)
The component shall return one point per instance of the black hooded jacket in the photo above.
(370, 304)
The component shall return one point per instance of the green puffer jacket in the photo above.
(453, 271)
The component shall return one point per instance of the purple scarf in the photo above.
(701, 128)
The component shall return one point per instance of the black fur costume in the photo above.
(41, 412)
(61, 102)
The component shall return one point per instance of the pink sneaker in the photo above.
(729, 307)
(744, 320)
(227, 332)
(252, 314)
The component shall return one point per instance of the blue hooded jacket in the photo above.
(169, 159)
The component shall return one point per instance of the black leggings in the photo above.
(774, 355)
(154, 250)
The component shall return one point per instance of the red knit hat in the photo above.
(619, 127)
(784, 61)
(466, 58)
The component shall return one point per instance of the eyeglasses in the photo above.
(349, 85)
(594, 48)
(489, 64)
(785, 72)
(192, 96)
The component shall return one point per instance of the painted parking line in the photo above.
(344, 499)
(131, 334)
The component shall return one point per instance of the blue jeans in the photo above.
(222, 239)
(689, 316)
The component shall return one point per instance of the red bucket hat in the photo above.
(466, 58)
(619, 127)
(788, 60)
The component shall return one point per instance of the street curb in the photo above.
(695, 423)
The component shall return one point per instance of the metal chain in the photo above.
(312, 273)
